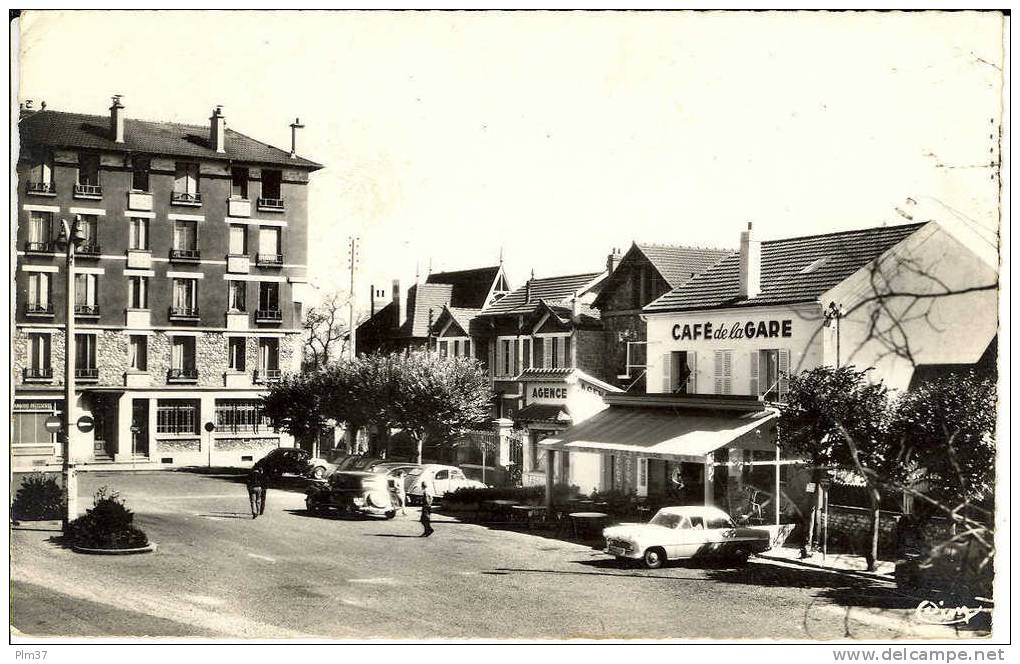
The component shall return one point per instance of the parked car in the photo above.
(359, 462)
(294, 461)
(684, 532)
(442, 479)
(352, 492)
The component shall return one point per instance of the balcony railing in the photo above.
(41, 189)
(185, 198)
(88, 191)
(38, 247)
(35, 309)
(86, 310)
(185, 255)
(183, 312)
(88, 249)
(268, 316)
(38, 373)
(182, 374)
(271, 204)
(86, 373)
(269, 260)
(267, 375)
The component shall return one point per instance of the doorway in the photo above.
(140, 428)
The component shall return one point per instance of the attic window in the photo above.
(815, 264)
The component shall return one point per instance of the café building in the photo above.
(722, 346)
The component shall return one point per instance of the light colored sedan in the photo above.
(442, 479)
(685, 532)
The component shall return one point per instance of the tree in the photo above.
(326, 334)
(296, 404)
(835, 419)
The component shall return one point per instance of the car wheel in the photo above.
(318, 472)
(654, 558)
(391, 514)
(740, 556)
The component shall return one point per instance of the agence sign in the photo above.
(752, 329)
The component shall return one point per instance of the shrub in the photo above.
(108, 525)
(561, 493)
(40, 498)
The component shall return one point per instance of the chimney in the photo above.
(527, 288)
(293, 136)
(613, 260)
(750, 264)
(218, 130)
(117, 120)
(400, 303)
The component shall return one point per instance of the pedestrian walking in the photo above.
(426, 509)
(400, 489)
(258, 487)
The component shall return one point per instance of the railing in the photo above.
(268, 315)
(34, 309)
(182, 374)
(270, 204)
(237, 417)
(185, 198)
(183, 312)
(41, 188)
(86, 310)
(38, 247)
(86, 373)
(185, 255)
(89, 190)
(38, 373)
(89, 249)
(267, 375)
(269, 260)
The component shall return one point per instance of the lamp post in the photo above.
(70, 237)
(833, 314)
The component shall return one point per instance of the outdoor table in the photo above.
(501, 507)
(528, 512)
(587, 518)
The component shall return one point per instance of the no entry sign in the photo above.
(86, 424)
(53, 424)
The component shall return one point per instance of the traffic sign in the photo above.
(210, 427)
(86, 424)
(53, 424)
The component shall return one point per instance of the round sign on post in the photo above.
(86, 424)
(53, 424)
(210, 427)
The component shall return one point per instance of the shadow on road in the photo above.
(228, 515)
(393, 535)
(505, 571)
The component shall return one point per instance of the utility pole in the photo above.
(70, 236)
(353, 258)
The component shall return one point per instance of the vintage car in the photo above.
(352, 492)
(294, 461)
(685, 532)
(442, 480)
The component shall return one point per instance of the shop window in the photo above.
(177, 416)
(239, 415)
(30, 429)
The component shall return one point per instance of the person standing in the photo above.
(426, 509)
(400, 489)
(258, 487)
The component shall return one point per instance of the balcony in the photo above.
(40, 189)
(39, 247)
(271, 204)
(238, 264)
(139, 200)
(185, 255)
(187, 375)
(139, 259)
(88, 250)
(183, 313)
(86, 310)
(35, 309)
(38, 373)
(267, 376)
(238, 207)
(268, 316)
(184, 198)
(90, 191)
(86, 373)
(269, 260)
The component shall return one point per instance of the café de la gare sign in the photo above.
(752, 329)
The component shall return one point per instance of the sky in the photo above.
(449, 139)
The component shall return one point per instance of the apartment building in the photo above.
(187, 286)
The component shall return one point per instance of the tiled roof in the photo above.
(792, 270)
(463, 317)
(678, 264)
(550, 289)
(587, 315)
(470, 287)
(75, 130)
(421, 299)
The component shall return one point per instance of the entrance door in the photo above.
(140, 427)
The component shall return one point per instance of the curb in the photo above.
(879, 576)
(149, 548)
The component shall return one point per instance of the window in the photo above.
(506, 357)
(235, 353)
(770, 373)
(526, 354)
(240, 415)
(140, 173)
(239, 182)
(38, 291)
(185, 295)
(556, 352)
(723, 365)
(138, 234)
(271, 180)
(30, 429)
(444, 349)
(269, 358)
(466, 348)
(88, 169)
(442, 474)
(186, 179)
(89, 228)
(238, 240)
(40, 174)
(539, 353)
(138, 352)
(177, 416)
(269, 296)
(683, 372)
(185, 235)
(85, 287)
(269, 241)
(235, 296)
(85, 352)
(40, 225)
(182, 356)
(138, 292)
(39, 355)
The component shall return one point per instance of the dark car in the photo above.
(293, 461)
(350, 492)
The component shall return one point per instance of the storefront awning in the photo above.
(668, 434)
(541, 412)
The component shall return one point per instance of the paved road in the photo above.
(289, 575)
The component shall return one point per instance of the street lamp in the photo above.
(70, 237)
(833, 313)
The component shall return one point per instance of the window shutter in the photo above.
(527, 353)
(718, 372)
(566, 352)
(728, 372)
(784, 370)
(692, 380)
(539, 352)
(667, 373)
(674, 371)
(754, 373)
(547, 352)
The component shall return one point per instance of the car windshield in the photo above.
(719, 522)
(416, 471)
(666, 520)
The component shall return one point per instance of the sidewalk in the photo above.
(839, 562)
